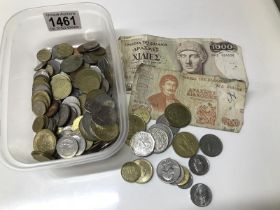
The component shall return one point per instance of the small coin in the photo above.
(106, 133)
(199, 165)
(61, 86)
(185, 144)
(41, 96)
(44, 141)
(188, 184)
(201, 195)
(39, 108)
(142, 143)
(136, 124)
(167, 130)
(169, 170)
(81, 143)
(146, 170)
(103, 64)
(50, 70)
(86, 128)
(62, 51)
(44, 55)
(143, 112)
(39, 123)
(185, 178)
(67, 147)
(40, 66)
(211, 145)
(73, 115)
(72, 63)
(53, 109)
(162, 119)
(160, 137)
(76, 122)
(130, 172)
(177, 115)
(55, 65)
(41, 156)
(64, 114)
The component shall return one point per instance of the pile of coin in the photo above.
(139, 171)
(72, 100)
(158, 137)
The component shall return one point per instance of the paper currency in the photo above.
(214, 57)
(214, 102)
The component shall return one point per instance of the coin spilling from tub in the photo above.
(72, 100)
(158, 137)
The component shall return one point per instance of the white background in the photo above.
(247, 173)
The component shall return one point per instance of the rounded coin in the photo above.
(50, 70)
(188, 184)
(44, 141)
(130, 172)
(44, 55)
(89, 145)
(64, 114)
(41, 96)
(162, 119)
(100, 51)
(71, 99)
(39, 123)
(53, 109)
(177, 115)
(169, 170)
(73, 115)
(136, 124)
(201, 195)
(160, 137)
(62, 51)
(89, 46)
(81, 143)
(185, 144)
(105, 116)
(106, 133)
(76, 122)
(105, 85)
(199, 165)
(61, 86)
(86, 128)
(41, 156)
(142, 144)
(211, 145)
(40, 66)
(103, 64)
(55, 65)
(167, 130)
(143, 112)
(67, 147)
(39, 108)
(146, 170)
(87, 80)
(43, 73)
(185, 178)
(91, 58)
(72, 63)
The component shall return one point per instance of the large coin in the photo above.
(130, 172)
(44, 141)
(142, 144)
(178, 115)
(185, 144)
(87, 80)
(199, 165)
(211, 145)
(201, 195)
(169, 170)
(72, 63)
(146, 170)
(67, 147)
(106, 133)
(160, 137)
(162, 119)
(62, 51)
(44, 55)
(61, 86)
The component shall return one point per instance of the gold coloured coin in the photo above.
(39, 123)
(62, 51)
(45, 141)
(186, 177)
(177, 115)
(185, 144)
(44, 55)
(136, 124)
(106, 133)
(61, 86)
(146, 170)
(41, 156)
(76, 122)
(143, 112)
(130, 172)
(87, 80)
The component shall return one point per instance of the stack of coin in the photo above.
(139, 171)
(171, 172)
(72, 99)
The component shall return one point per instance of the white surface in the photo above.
(245, 176)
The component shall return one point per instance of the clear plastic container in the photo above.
(24, 34)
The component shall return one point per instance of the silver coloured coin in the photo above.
(199, 165)
(81, 142)
(105, 85)
(182, 174)
(76, 107)
(41, 72)
(201, 195)
(71, 99)
(142, 143)
(162, 119)
(67, 147)
(40, 66)
(160, 137)
(167, 130)
(169, 170)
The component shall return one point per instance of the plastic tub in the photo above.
(24, 34)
